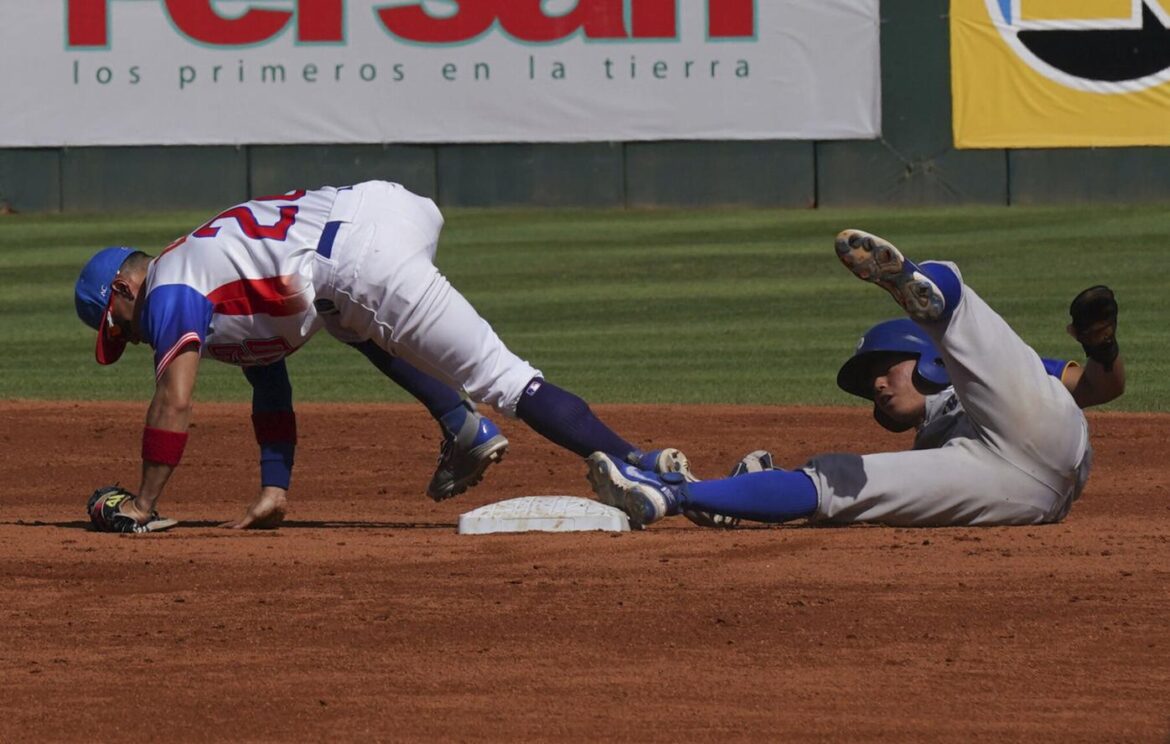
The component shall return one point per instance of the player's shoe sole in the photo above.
(671, 460)
(876, 260)
(619, 486)
(759, 461)
(472, 465)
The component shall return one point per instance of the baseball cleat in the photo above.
(644, 496)
(465, 456)
(672, 460)
(711, 519)
(669, 460)
(753, 462)
(875, 260)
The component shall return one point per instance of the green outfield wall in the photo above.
(913, 164)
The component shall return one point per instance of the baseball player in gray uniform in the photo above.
(1000, 435)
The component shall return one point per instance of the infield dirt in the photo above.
(367, 618)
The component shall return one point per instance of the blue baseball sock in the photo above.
(947, 282)
(443, 402)
(770, 496)
(566, 420)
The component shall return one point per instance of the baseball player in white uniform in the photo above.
(1000, 435)
(254, 283)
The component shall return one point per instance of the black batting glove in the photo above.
(1094, 324)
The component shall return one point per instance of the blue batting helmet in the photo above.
(900, 336)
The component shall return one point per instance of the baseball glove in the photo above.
(710, 519)
(105, 515)
(1094, 324)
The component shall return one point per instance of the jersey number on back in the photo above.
(250, 226)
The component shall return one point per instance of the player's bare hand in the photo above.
(265, 513)
(130, 508)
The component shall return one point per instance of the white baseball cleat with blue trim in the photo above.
(644, 496)
(672, 460)
(876, 260)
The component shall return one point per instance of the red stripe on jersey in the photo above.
(278, 296)
(188, 338)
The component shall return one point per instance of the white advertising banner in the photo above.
(203, 72)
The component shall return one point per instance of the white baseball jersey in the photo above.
(241, 286)
(1007, 444)
(255, 282)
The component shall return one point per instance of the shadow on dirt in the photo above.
(288, 525)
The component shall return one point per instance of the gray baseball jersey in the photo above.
(1005, 444)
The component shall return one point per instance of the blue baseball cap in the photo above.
(92, 297)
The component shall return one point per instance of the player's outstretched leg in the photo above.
(644, 496)
(759, 494)
(672, 460)
(471, 444)
(758, 461)
(875, 260)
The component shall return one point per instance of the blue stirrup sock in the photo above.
(566, 420)
(947, 282)
(770, 496)
(445, 404)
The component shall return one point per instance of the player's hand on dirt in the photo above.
(265, 513)
(114, 509)
(130, 508)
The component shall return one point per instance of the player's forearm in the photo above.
(168, 414)
(170, 408)
(1097, 386)
(163, 442)
(165, 435)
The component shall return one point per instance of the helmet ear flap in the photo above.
(930, 375)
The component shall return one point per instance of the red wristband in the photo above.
(161, 446)
(274, 427)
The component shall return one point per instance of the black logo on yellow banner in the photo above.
(1097, 45)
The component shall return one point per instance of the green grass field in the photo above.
(698, 306)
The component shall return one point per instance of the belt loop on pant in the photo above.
(328, 235)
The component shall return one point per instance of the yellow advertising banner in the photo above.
(1060, 73)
